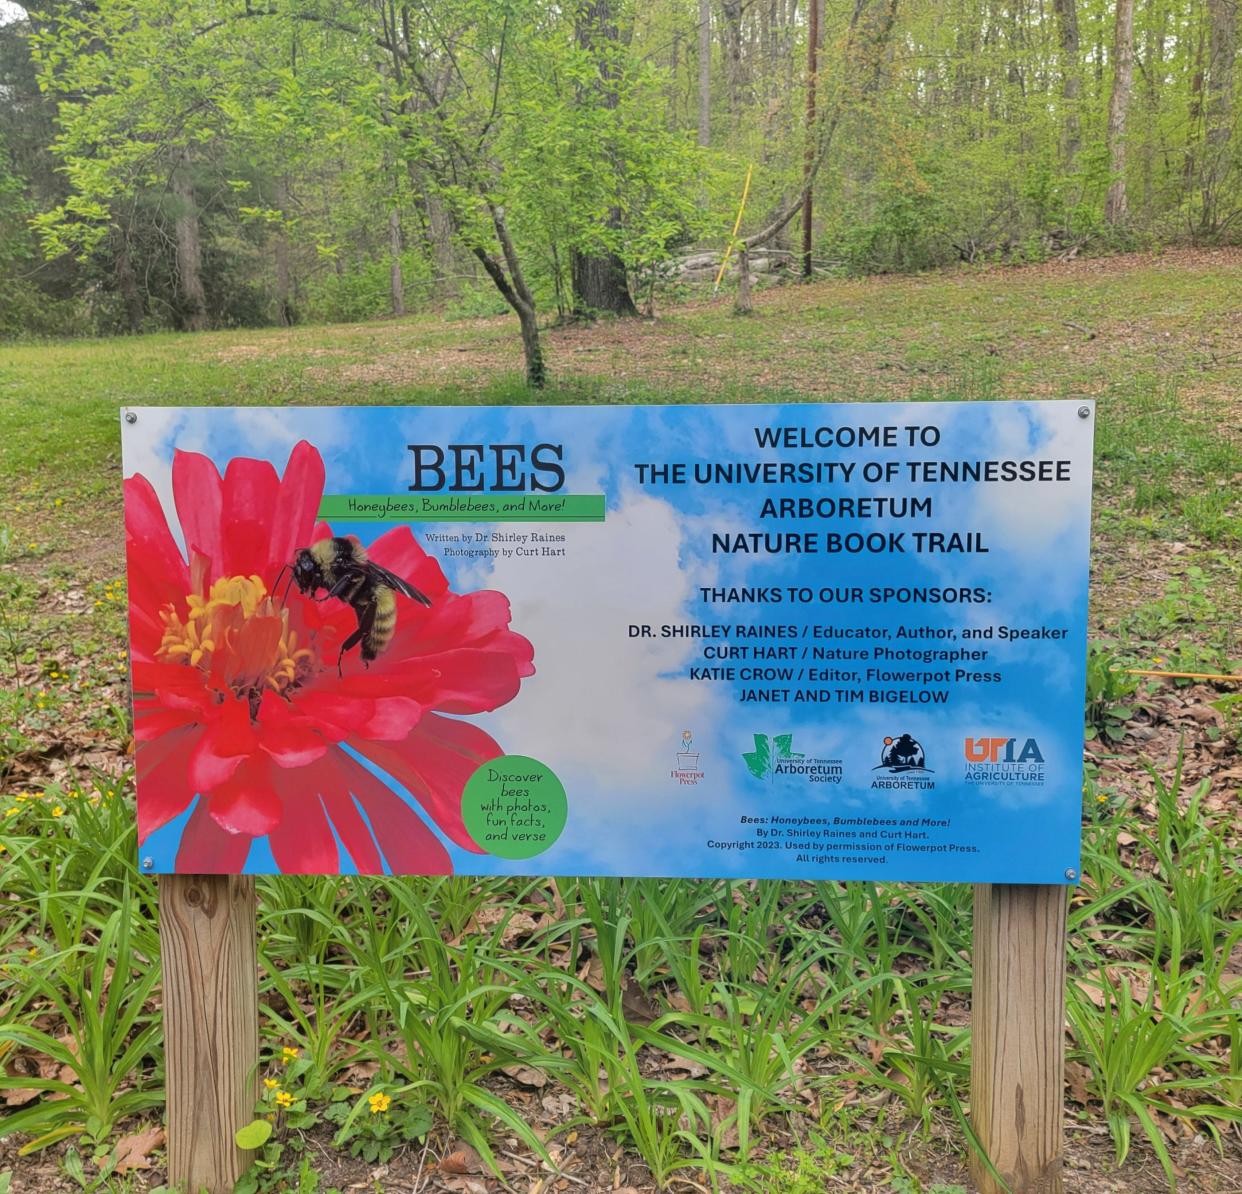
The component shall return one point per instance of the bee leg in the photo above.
(366, 619)
(351, 642)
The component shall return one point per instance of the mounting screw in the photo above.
(1071, 874)
(130, 417)
(148, 863)
(1084, 412)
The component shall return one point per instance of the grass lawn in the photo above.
(618, 1015)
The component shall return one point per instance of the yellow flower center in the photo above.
(236, 634)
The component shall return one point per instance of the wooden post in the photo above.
(812, 48)
(211, 1026)
(1017, 1069)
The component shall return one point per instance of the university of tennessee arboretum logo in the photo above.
(904, 764)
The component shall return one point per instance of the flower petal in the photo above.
(297, 505)
(208, 849)
(302, 843)
(247, 801)
(346, 819)
(291, 740)
(408, 845)
(433, 763)
(247, 513)
(166, 790)
(198, 494)
(157, 572)
(228, 739)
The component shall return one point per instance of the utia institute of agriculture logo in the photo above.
(904, 763)
(775, 756)
(1004, 761)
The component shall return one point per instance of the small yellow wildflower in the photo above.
(12, 812)
(379, 1102)
(284, 1099)
(58, 811)
(3, 847)
(288, 1054)
(1101, 799)
(271, 1083)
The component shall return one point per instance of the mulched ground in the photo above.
(589, 1160)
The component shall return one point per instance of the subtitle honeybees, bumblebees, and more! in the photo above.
(340, 566)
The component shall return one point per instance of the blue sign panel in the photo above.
(808, 641)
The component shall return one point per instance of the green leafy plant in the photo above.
(1111, 693)
(111, 1034)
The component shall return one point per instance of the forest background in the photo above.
(167, 164)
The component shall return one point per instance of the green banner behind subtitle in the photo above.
(462, 507)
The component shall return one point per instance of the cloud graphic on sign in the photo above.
(607, 710)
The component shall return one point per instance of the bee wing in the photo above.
(393, 581)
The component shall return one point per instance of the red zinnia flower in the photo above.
(237, 698)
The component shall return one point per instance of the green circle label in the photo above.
(514, 807)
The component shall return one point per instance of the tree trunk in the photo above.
(511, 283)
(284, 286)
(440, 238)
(731, 27)
(812, 68)
(1194, 116)
(284, 275)
(532, 350)
(1222, 49)
(600, 284)
(1071, 79)
(189, 249)
(1115, 208)
(705, 72)
(127, 284)
(396, 283)
(743, 305)
(598, 278)
(1153, 76)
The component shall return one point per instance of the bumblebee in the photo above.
(341, 567)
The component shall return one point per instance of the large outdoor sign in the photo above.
(810, 641)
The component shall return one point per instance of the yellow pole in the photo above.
(1134, 671)
(736, 225)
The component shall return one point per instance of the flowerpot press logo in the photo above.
(904, 761)
(775, 757)
(687, 771)
(1003, 761)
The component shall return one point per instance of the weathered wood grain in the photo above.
(1017, 1071)
(211, 1025)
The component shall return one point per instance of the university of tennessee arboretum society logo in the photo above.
(775, 756)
